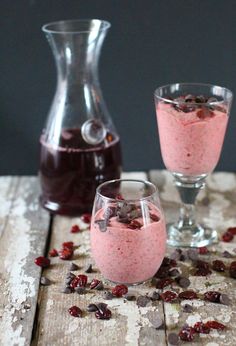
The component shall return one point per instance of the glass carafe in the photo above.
(80, 147)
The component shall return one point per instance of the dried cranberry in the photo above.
(227, 237)
(202, 272)
(164, 282)
(75, 229)
(119, 290)
(94, 283)
(200, 327)
(42, 262)
(215, 325)
(203, 250)
(218, 266)
(103, 315)
(119, 197)
(169, 296)
(75, 311)
(188, 295)
(204, 113)
(232, 270)
(80, 280)
(169, 262)
(65, 254)
(154, 217)
(232, 230)
(68, 245)
(86, 218)
(202, 264)
(212, 296)
(53, 253)
(187, 333)
(162, 272)
(134, 224)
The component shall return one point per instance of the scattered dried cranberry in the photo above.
(154, 217)
(53, 253)
(86, 218)
(80, 280)
(169, 296)
(212, 296)
(232, 230)
(94, 283)
(202, 272)
(169, 262)
(215, 325)
(75, 229)
(203, 250)
(65, 254)
(202, 264)
(68, 245)
(75, 311)
(103, 315)
(119, 197)
(218, 266)
(204, 113)
(200, 327)
(119, 290)
(134, 224)
(232, 270)
(188, 295)
(187, 333)
(164, 282)
(227, 237)
(42, 262)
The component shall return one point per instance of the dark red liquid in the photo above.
(71, 172)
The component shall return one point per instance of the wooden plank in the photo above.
(216, 206)
(23, 233)
(129, 325)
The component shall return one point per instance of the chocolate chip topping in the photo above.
(155, 319)
(183, 281)
(99, 286)
(80, 290)
(143, 301)
(92, 308)
(66, 290)
(73, 267)
(192, 254)
(187, 308)
(155, 296)
(173, 339)
(224, 299)
(89, 269)
(108, 295)
(45, 281)
(129, 297)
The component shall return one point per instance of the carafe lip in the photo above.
(54, 27)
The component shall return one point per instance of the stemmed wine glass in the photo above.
(192, 120)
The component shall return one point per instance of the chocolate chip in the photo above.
(134, 214)
(66, 290)
(183, 281)
(92, 308)
(80, 290)
(182, 257)
(108, 295)
(173, 339)
(73, 267)
(175, 255)
(68, 281)
(89, 269)
(192, 254)
(45, 281)
(110, 212)
(102, 224)
(99, 286)
(200, 99)
(155, 320)
(143, 301)
(70, 276)
(224, 299)
(227, 254)
(102, 306)
(187, 308)
(174, 272)
(155, 296)
(189, 98)
(129, 297)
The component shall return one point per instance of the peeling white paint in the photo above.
(192, 319)
(49, 304)
(172, 314)
(222, 181)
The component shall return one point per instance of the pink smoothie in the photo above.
(190, 145)
(126, 255)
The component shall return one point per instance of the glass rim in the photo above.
(228, 91)
(46, 27)
(145, 182)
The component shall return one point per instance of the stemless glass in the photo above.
(192, 120)
(128, 233)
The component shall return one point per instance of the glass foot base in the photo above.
(194, 236)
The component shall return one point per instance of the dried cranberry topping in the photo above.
(227, 237)
(53, 253)
(188, 295)
(86, 218)
(200, 327)
(134, 224)
(154, 217)
(212, 296)
(232, 230)
(119, 290)
(203, 250)
(75, 229)
(164, 282)
(42, 262)
(94, 283)
(204, 113)
(215, 325)
(65, 254)
(232, 270)
(80, 280)
(218, 266)
(169, 262)
(68, 245)
(169, 296)
(202, 264)
(187, 333)
(75, 311)
(202, 272)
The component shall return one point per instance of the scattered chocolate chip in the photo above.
(200, 99)
(68, 281)
(89, 269)
(70, 276)
(73, 267)
(182, 257)
(155, 296)
(224, 299)
(155, 320)
(175, 255)
(92, 308)
(187, 308)
(66, 290)
(102, 224)
(80, 290)
(129, 297)
(143, 301)
(227, 254)
(154, 281)
(101, 306)
(134, 214)
(183, 281)
(192, 254)
(108, 295)
(99, 286)
(174, 272)
(173, 339)
(45, 281)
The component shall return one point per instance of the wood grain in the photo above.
(129, 325)
(23, 233)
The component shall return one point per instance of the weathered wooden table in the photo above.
(34, 314)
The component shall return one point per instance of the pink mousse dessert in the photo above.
(191, 132)
(128, 247)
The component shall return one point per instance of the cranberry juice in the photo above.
(70, 172)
